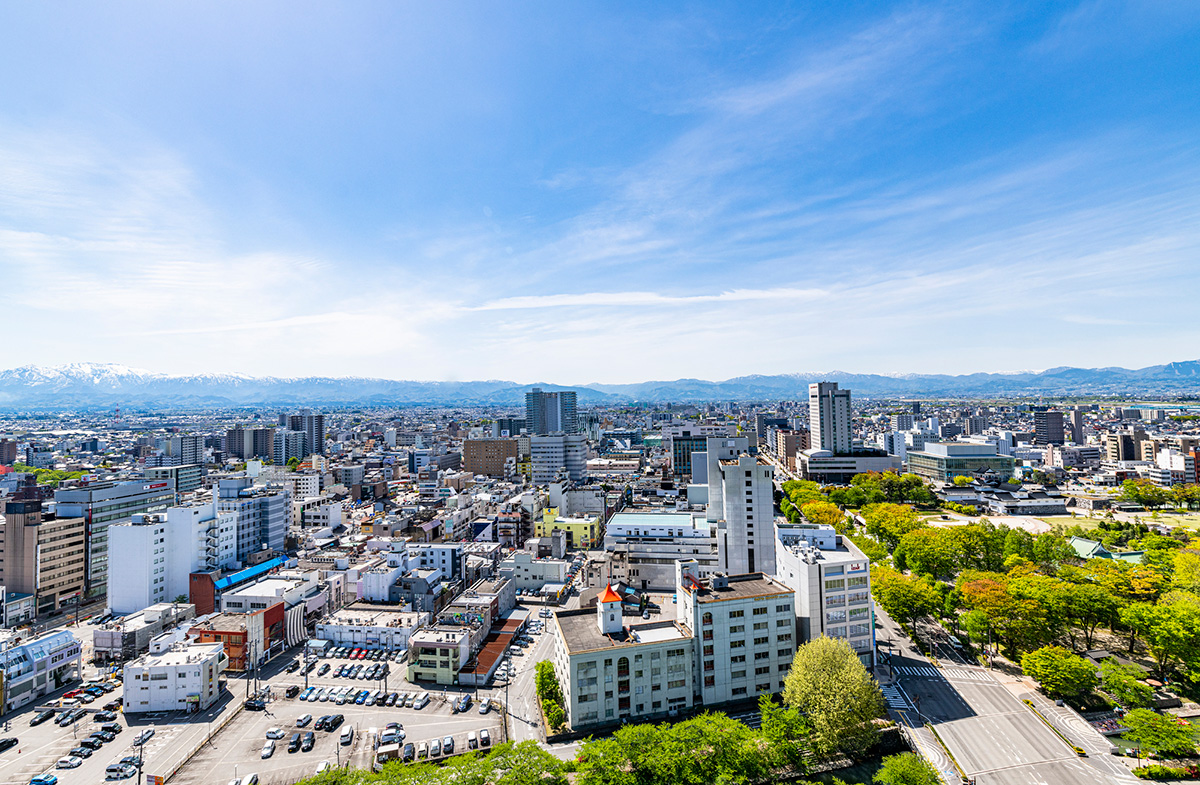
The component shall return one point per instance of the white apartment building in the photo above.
(717, 449)
(831, 579)
(1181, 465)
(175, 677)
(157, 552)
(555, 452)
(745, 530)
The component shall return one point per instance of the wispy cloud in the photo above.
(643, 299)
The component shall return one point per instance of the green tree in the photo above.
(906, 598)
(889, 522)
(786, 730)
(292, 463)
(930, 551)
(1171, 630)
(962, 481)
(907, 769)
(1124, 683)
(1061, 673)
(824, 514)
(555, 716)
(1162, 735)
(1187, 570)
(842, 720)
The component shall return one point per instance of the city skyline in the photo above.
(395, 191)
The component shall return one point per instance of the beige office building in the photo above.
(41, 555)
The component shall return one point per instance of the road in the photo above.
(978, 714)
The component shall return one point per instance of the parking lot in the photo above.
(237, 750)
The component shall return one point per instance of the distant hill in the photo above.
(94, 385)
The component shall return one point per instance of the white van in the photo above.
(348, 734)
(422, 701)
(955, 642)
(422, 750)
(472, 740)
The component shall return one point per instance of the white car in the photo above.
(435, 748)
(302, 720)
(268, 749)
(275, 733)
(69, 762)
(324, 766)
(485, 707)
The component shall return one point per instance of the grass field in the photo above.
(1190, 520)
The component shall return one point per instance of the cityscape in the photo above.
(599, 393)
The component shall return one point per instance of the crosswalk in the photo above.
(895, 699)
(968, 674)
(928, 671)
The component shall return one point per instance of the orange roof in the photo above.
(609, 595)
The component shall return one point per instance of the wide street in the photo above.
(978, 714)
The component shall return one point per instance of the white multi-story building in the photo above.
(1181, 465)
(157, 553)
(263, 514)
(372, 626)
(556, 452)
(831, 579)
(744, 630)
(530, 573)
(174, 677)
(614, 672)
(644, 546)
(829, 417)
(717, 449)
(745, 533)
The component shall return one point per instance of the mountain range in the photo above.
(98, 385)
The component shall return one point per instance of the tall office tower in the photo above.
(976, 424)
(288, 445)
(8, 452)
(829, 417)
(313, 426)
(901, 422)
(1077, 426)
(40, 554)
(916, 408)
(550, 412)
(746, 531)
(1048, 427)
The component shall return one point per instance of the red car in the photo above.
(73, 694)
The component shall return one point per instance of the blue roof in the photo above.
(249, 573)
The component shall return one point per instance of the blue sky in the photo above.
(599, 192)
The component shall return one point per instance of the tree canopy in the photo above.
(1160, 734)
(1061, 673)
(841, 720)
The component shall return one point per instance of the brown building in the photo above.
(788, 443)
(8, 452)
(40, 554)
(488, 456)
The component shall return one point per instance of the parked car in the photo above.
(435, 748)
(70, 762)
(448, 745)
(308, 741)
(472, 740)
(104, 735)
(276, 733)
(113, 705)
(268, 749)
(335, 722)
(120, 771)
(112, 727)
(347, 736)
(485, 738)
(104, 716)
(292, 691)
(409, 753)
(324, 766)
(41, 717)
(80, 752)
(321, 672)
(303, 720)
(44, 779)
(294, 743)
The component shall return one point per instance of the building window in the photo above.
(737, 675)
(760, 610)
(738, 691)
(706, 619)
(710, 681)
(736, 614)
(736, 628)
(736, 644)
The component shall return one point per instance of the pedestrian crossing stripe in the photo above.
(894, 698)
(963, 673)
(921, 670)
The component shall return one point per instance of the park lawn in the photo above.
(1067, 521)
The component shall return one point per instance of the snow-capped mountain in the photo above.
(98, 385)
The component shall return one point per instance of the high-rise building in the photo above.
(182, 450)
(553, 453)
(102, 504)
(550, 412)
(901, 422)
(186, 477)
(41, 554)
(745, 532)
(717, 449)
(160, 550)
(313, 426)
(1077, 434)
(829, 417)
(8, 452)
(288, 445)
(1048, 427)
(248, 443)
(262, 514)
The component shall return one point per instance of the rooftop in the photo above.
(742, 587)
(581, 632)
(179, 654)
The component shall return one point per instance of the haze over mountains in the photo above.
(84, 385)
